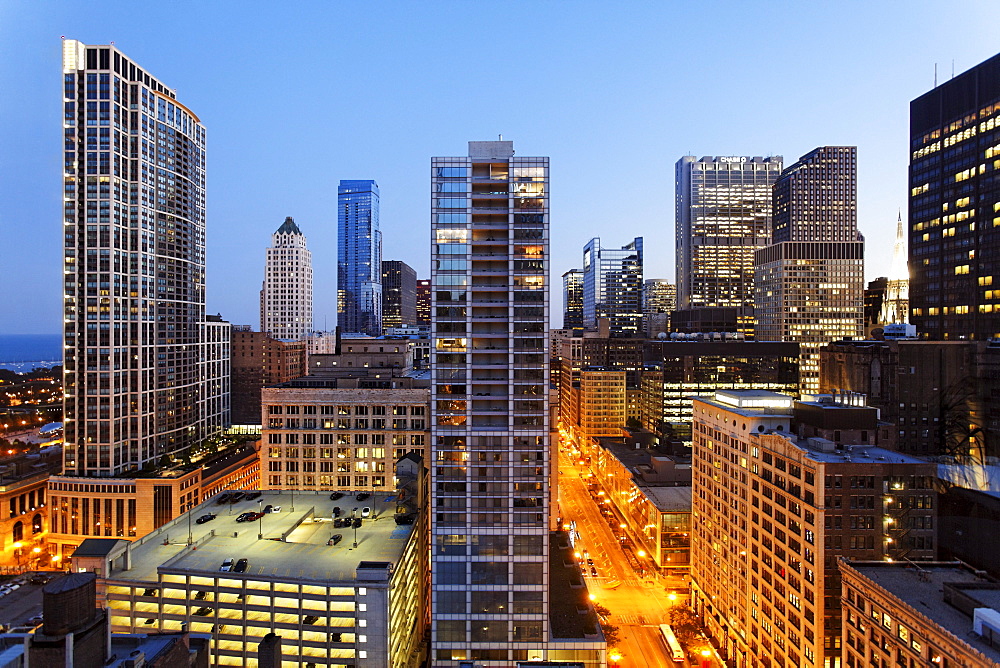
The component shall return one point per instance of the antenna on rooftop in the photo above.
(500, 136)
(935, 75)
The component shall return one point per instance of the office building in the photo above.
(781, 489)
(659, 300)
(259, 360)
(424, 302)
(955, 206)
(490, 450)
(286, 298)
(677, 369)
(576, 351)
(134, 322)
(926, 614)
(336, 596)
(810, 281)
(340, 438)
(723, 216)
(573, 299)
(359, 258)
(399, 294)
(874, 301)
(591, 403)
(612, 287)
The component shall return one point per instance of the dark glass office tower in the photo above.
(612, 287)
(573, 299)
(954, 217)
(399, 294)
(359, 258)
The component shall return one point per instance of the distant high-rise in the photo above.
(424, 302)
(810, 281)
(573, 299)
(659, 300)
(954, 213)
(612, 287)
(286, 299)
(140, 357)
(359, 258)
(399, 294)
(723, 215)
(489, 408)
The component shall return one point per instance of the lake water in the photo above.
(24, 352)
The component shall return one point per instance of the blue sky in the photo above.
(297, 96)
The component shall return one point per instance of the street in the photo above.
(638, 606)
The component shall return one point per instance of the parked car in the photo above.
(362, 496)
(274, 509)
(227, 566)
(223, 498)
(336, 511)
(252, 496)
(268, 508)
(366, 512)
(205, 518)
(243, 517)
(404, 519)
(310, 619)
(241, 566)
(336, 495)
(335, 538)
(204, 611)
(337, 523)
(236, 497)
(357, 522)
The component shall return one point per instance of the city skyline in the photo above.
(877, 79)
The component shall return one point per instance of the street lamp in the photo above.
(260, 519)
(188, 508)
(615, 658)
(706, 656)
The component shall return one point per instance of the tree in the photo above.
(610, 633)
(686, 625)
(633, 424)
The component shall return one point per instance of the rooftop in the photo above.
(293, 546)
(922, 588)
(669, 498)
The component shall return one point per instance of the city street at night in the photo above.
(638, 605)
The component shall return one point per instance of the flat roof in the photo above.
(669, 498)
(302, 555)
(921, 587)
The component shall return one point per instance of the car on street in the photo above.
(205, 518)
(593, 571)
(336, 495)
(241, 566)
(227, 566)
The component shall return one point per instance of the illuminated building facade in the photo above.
(359, 258)
(659, 300)
(723, 217)
(612, 287)
(399, 294)
(954, 212)
(810, 282)
(286, 299)
(141, 362)
(573, 299)
(780, 490)
(490, 452)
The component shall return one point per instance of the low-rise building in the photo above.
(335, 596)
(326, 437)
(919, 614)
(24, 509)
(259, 360)
(131, 507)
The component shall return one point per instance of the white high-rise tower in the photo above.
(896, 305)
(286, 298)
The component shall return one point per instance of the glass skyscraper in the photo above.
(723, 215)
(489, 409)
(612, 287)
(359, 258)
